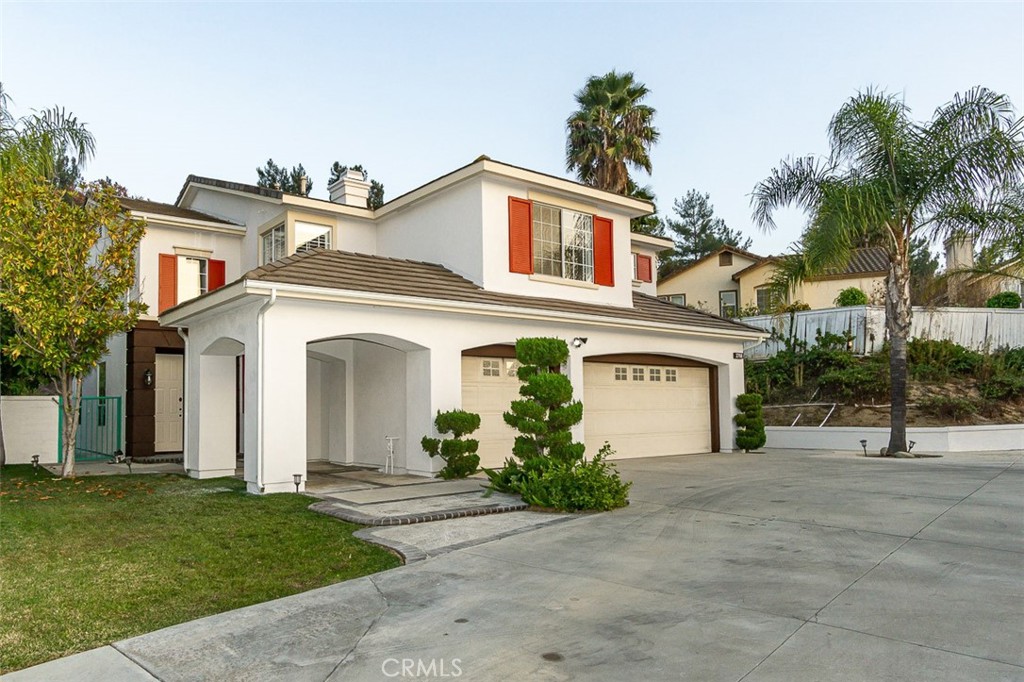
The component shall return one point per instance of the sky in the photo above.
(413, 91)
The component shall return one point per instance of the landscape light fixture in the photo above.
(579, 341)
(147, 378)
(298, 481)
(911, 445)
(35, 461)
(864, 444)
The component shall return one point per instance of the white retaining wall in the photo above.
(995, 438)
(30, 428)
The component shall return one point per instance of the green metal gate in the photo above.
(99, 429)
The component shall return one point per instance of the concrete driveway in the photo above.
(777, 566)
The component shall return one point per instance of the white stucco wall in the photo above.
(989, 438)
(380, 406)
(248, 210)
(30, 428)
(443, 228)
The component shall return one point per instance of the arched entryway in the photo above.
(218, 403)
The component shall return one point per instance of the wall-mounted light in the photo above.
(579, 342)
(298, 481)
(147, 378)
(864, 444)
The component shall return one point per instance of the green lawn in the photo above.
(89, 561)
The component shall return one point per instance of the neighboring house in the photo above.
(730, 280)
(341, 331)
(973, 289)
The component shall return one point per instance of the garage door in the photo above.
(489, 385)
(646, 410)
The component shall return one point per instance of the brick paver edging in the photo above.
(352, 516)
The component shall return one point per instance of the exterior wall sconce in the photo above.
(864, 444)
(147, 378)
(579, 342)
(298, 481)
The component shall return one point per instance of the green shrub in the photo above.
(458, 453)
(851, 296)
(863, 381)
(1002, 387)
(750, 421)
(949, 407)
(582, 485)
(1006, 299)
(546, 414)
(930, 360)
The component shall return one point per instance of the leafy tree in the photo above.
(67, 263)
(924, 286)
(957, 175)
(376, 198)
(278, 177)
(51, 143)
(697, 232)
(610, 131)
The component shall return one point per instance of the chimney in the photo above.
(351, 190)
(959, 255)
(303, 184)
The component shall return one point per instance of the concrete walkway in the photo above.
(777, 566)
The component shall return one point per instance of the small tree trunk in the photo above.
(897, 321)
(71, 403)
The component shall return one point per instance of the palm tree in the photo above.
(890, 179)
(610, 131)
(51, 144)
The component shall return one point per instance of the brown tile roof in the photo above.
(391, 276)
(145, 206)
(867, 261)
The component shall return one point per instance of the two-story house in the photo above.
(730, 280)
(326, 331)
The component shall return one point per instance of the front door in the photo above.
(169, 402)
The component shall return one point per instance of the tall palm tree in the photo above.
(954, 176)
(47, 143)
(611, 130)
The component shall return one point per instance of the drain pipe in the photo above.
(260, 382)
(184, 403)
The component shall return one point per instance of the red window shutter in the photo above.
(215, 273)
(604, 260)
(168, 281)
(644, 266)
(520, 236)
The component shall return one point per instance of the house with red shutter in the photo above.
(285, 329)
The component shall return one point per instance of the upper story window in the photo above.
(724, 259)
(273, 245)
(310, 236)
(728, 303)
(643, 268)
(184, 277)
(563, 243)
(768, 299)
(560, 243)
(193, 277)
(678, 299)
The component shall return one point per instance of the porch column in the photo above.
(215, 439)
(575, 372)
(434, 382)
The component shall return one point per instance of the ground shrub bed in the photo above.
(949, 384)
(92, 560)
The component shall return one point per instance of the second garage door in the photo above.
(647, 410)
(489, 385)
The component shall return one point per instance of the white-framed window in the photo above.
(563, 243)
(621, 374)
(670, 374)
(309, 236)
(274, 244)
(512, 368)
(636, 269)
(492, 368)
(678, 299)
(638, 374)
(193, 277)
(654, 373)
(727, 303)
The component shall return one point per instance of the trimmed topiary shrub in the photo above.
(851, 296)
(1006, 299)
(750, 421)
(547, 411)
(458, 453)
